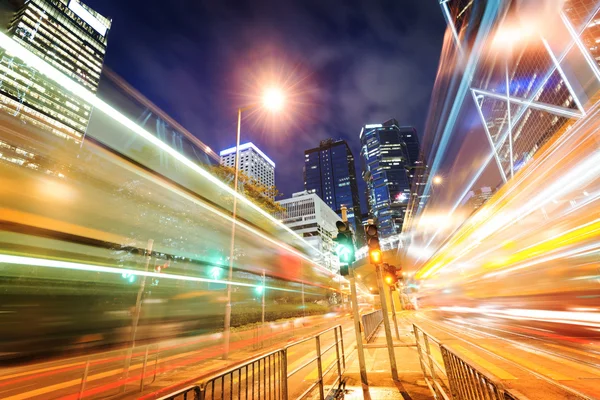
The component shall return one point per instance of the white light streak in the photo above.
(31, 59)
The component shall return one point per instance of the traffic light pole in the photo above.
(359, 344)
(355, 316)
(394, 313)
(386, 323)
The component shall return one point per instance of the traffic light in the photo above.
(391, 274)
(128, 277)
(345, 246)
(375, 254)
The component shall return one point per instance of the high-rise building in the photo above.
(387, 157)
(524, 91)
(72, 38)
(329, 172)
(253, 162)
(306, 214)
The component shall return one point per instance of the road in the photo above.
(540, 359)
(173, 362)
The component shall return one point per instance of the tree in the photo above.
(259, 194)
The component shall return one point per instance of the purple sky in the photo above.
(347, 63)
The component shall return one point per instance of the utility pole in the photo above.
(394, 313)
(359, 344)
(386, 323)
(263, 299)
(137, 311)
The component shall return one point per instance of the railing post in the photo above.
(427, 348)
(420, 351)
(284, 375)
(320, 368)
(144, 369)
(155, 364)
(337, 352)
(343, 351)
(84, 378)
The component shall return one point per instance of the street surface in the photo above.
(169, 363)
(538, 359)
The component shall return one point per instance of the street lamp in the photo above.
(437, 180)
(272, 100)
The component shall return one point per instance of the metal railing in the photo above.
(146, 356)
(458, 378)
(433, 372)
(323, 370)
(371, 322)
(267, 376)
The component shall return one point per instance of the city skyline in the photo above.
(389, 152)
(202, 92)
(330, 172)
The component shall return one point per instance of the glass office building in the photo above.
(71, 37)
(387, 155)
(329, 172)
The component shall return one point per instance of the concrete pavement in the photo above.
(381, 386)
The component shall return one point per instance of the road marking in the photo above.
(591, 371)
(572, 350)
(37, 371)
(73, 382)
(528, 364)
(493, 369)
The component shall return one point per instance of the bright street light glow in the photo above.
(273, 99)
(32, 60)
(437, 180)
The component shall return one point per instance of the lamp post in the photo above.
(272, 100)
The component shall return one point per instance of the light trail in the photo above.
(75, 266)
(31, 59)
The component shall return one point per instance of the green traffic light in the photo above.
(344, 253)
(129, 277)
(259, 289)
(215, 273)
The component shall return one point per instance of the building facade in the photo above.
(309, 216)
(253, 162)
(530, 86)
(72, 38)
(386, 152)
(330, 173)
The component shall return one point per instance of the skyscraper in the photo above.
(71, 37)
(253, 162)
(329, 172)
(388, 153)
(545, 91)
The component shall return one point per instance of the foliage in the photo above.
(244, 315)
(258, 193)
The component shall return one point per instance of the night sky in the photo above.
(345, 63)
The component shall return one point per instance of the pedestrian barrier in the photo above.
(370, 323)
(267, 376)
(458, 378)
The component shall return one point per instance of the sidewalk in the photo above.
(381, 386)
